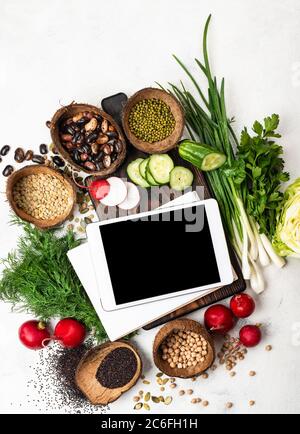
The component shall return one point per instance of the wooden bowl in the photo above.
(32, 170)
(168, 143)
(183, 324)
(87, 382)
(71, 110)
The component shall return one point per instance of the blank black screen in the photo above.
(152, 258)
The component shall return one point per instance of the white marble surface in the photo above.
(54, 52)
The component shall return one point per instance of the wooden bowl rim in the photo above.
(97, 352)
(182, 324)
(163, 145)
(63, 111)
(34, 169)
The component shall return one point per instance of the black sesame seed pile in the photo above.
(53, 382)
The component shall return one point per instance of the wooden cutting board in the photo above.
(113, 105)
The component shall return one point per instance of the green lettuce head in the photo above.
(287, 236)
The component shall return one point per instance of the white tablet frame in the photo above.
(99, 261)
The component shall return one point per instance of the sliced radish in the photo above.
(133, 197)
(99, 189)
(117, 193)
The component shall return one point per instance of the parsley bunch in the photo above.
(264, 170)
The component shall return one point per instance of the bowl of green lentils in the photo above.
(153, 120)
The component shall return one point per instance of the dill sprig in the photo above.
(39, 279)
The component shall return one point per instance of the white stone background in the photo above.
(54, 52)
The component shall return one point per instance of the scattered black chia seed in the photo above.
(54, 381)
(117, 368)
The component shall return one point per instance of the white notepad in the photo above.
(121, 322)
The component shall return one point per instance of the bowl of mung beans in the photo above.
(41, 195)
(183, 348)
(153, 120)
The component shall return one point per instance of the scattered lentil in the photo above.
(269, 348)
(229, 405)
(252, 373)
(251, 403)
(205, 403)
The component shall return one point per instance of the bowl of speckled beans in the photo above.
(41, 195)
(153, 120)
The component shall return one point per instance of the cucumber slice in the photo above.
(145, 172)
(143, 167)
(150, 178)
(160, 166)
(181, 178)
(201, 155)
(133, 173)
(213, 161)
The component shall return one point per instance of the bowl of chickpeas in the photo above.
(183, 348)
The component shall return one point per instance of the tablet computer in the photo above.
(159, 254)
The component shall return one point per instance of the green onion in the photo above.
(207, 122)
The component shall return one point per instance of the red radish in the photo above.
(133, 197)
(69, 332)
(117, 193)
(242, 305)
(34, 334)
(250, 336)
(98, 189)
(219, 319)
